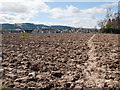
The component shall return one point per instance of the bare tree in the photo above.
(102, 23)
(109, 14)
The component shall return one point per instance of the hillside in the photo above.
(31, 26)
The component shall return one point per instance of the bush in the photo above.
(110, 30)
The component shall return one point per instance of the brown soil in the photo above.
(49, 61)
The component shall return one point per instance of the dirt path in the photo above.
(91, 71)
(0, 73)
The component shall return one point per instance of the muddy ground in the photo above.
(49, 61)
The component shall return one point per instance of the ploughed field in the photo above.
(48, 61)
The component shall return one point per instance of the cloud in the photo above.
(109, 5)
(6, 18)
(77, 17)
(13, 7)
(94, 11)
(25, 0)
(17, 11)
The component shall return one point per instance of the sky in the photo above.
(75, 13)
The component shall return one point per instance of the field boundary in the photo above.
(90, 71)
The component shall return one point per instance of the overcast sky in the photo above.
(77, 13)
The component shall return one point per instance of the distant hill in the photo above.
(60, 27)
(10, 26)
(26, 26)
(32, 26)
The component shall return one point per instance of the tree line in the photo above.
(111, 24)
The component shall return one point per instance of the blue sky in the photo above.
(56, 12)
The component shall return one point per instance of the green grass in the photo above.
(25, 36)
(7, 88)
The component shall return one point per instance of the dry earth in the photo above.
(0, 60)
(49, 61)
